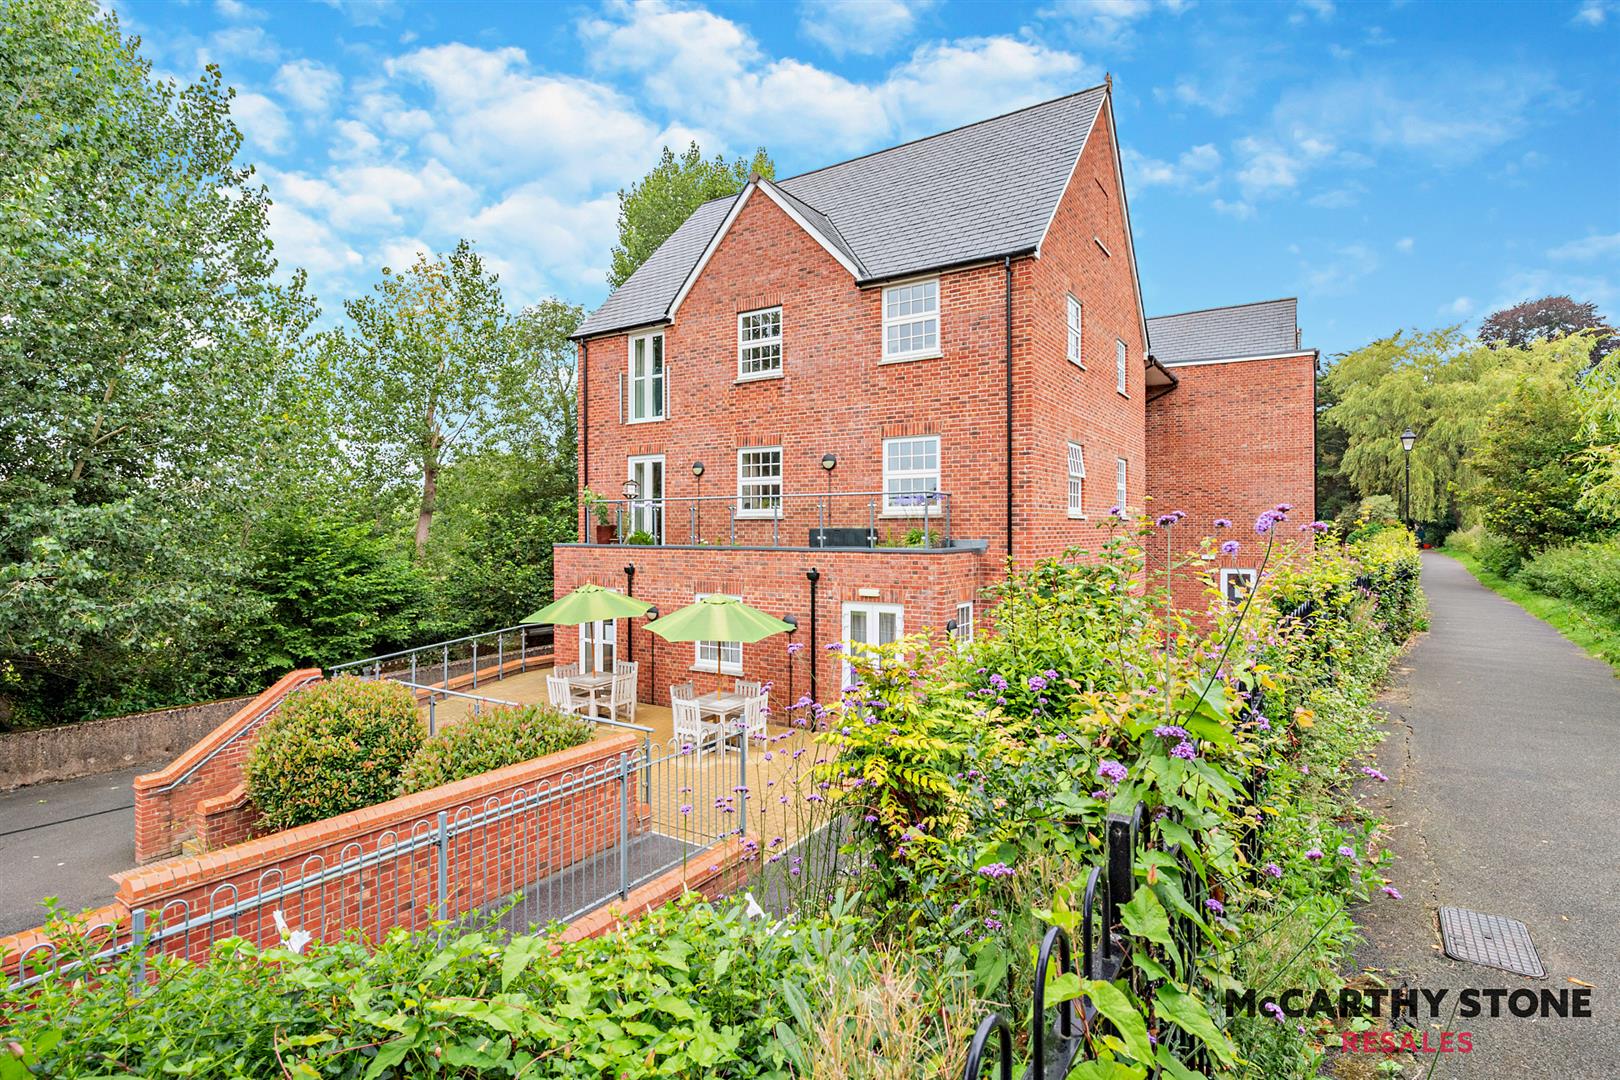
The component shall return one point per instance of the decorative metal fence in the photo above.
(531, 856)
(444, 660)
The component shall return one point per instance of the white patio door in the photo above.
(866, 625)
(647, 512)
(598, 643)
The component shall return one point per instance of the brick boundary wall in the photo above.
(166, 801)
(483, 864)
(94, 747)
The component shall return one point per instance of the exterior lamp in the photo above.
(829, 461)
(793, 623)
(1408, 440)
(697, 503)
(697, 469)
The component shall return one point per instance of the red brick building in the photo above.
(851, 396)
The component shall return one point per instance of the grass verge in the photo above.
(1596, 634)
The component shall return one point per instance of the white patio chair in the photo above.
(564, 698)
(566, 671)
(621, 667)
(753, 717)
(748, 688)
(690, 728)
(682, 692)
(622, 695)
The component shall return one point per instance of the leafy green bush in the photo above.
(1467, 540)
(1389, 559)
(494, 740)
(331, 748)
(1588, 574)
(1501, 557)
(690, 992)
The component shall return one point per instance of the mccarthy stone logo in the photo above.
(1415, 1002)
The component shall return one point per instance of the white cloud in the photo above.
(1593, 12)
(1322, 10)
(1460, 308)
(236, 11)
(303, 240)
(1588, 247)
(1405, 244)
(949, 83)
(262, 122)
(354, 141)
(366, 12)
(1337, 272)
(1195, 168)
(864, 27)
(1237, 209)
(238, 43)
(1106, 23)
(311, 86)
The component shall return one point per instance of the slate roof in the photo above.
(981, 191)
(1266, 328)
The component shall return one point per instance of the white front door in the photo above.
(870, 624)
(597, 641)
(647, 511)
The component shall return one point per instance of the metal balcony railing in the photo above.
(848, 520)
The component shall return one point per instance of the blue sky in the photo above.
(1392, 164)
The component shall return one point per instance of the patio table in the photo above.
(592, 683)
(723, 707)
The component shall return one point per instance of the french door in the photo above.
(647, 511)
(598, 645)
(866, 625)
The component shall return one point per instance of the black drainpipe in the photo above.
(1007, 265)
(630, 624)
(813, 575)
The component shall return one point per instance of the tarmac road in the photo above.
(63, 840)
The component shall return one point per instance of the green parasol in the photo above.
(717, 618)
(589, 603)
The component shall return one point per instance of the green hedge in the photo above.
(331, 748)
(1588, 574)
(493, 740)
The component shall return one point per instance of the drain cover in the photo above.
(1490, 940)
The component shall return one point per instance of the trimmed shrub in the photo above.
(494, 740)
(1501, 557)
(1588, 574)
(1467, 540)
(331, 748)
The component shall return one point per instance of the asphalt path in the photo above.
(63, 840)
(1503, 759)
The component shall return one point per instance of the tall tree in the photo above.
(136, 311)
(656, 205)
(430, 370)
(1548, 319)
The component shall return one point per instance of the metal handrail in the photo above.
(931, 510)
(371, 661)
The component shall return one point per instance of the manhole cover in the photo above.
(1490, 940)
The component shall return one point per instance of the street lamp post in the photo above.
(1408, 439)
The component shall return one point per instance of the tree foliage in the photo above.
(655, 206)
(1548, 319)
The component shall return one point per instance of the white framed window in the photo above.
(911, 320)
(647, 509)
(721, 657)
(646, 397)
(759, 343)
(1119, 483)
(866, 625)
(759, 481)
(964, 622)
(1074, 333)
(1077, 480)
(1235, 584)
(1120, 367)
(911, 475)
(598, 645)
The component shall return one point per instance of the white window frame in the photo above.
(746, 344)
(910, 318)
(1077, 480)
(1122, 363)
(964, 622)
(718, 657)
(646, 504)
(1121, 487)
(1076, 340)
(598, 642)
(872, 611)
(891, 509)
(1228, 574)
(633, 383)
(743, 485)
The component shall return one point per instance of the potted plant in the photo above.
(601, 511)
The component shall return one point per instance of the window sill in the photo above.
(765, 377)
(1075, 515)
(648, 420)
(910, 358)
(1121, 393)
(710, 669)
(755, 515)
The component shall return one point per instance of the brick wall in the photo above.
(1086, 255)
(928, 585)
(166, 801)
(1230, 441)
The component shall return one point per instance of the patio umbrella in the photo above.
(589, 603)
(717, 618)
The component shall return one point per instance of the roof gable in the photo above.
(1267, 328)
(976, 192)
